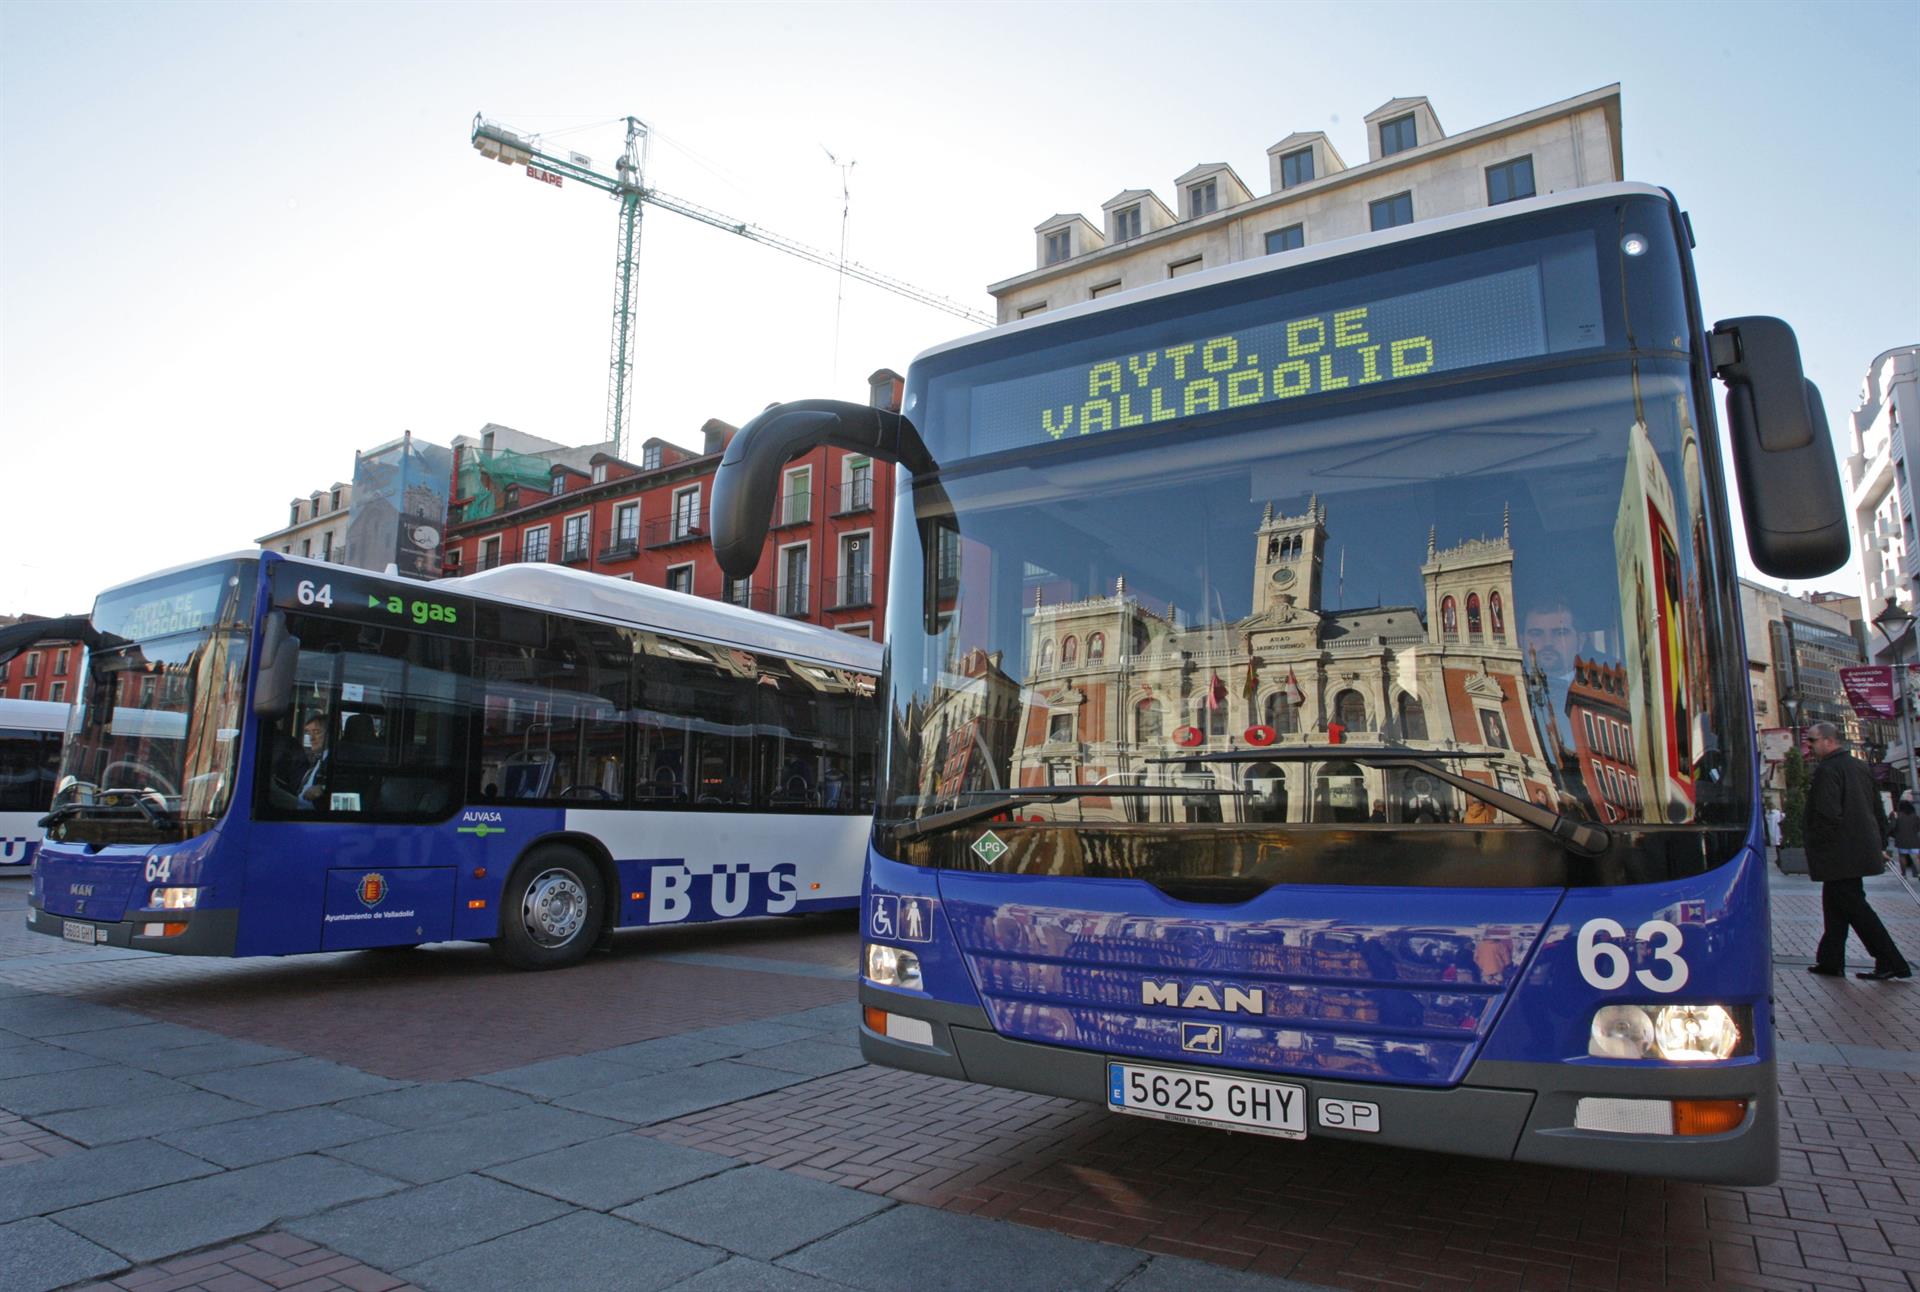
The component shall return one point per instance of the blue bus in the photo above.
(1317, 703)
(274, 755)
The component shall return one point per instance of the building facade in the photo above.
(825, 556)
(1796, 647)
(1884, 450)
(48, 670)
(316, 525)
(1414, 171)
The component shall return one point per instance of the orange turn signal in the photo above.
(876, 1019)
(477, 904)
(1708, 1116)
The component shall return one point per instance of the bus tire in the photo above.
(552, 910)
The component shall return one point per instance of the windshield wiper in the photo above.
(142, 802)
(1588, 838)
(1007, 800)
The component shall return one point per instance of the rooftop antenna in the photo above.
(846, 208)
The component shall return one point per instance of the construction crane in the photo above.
(628, 185)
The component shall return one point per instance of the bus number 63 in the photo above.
(1606, 965)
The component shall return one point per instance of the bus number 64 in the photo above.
(1606, 965)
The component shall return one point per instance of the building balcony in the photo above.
(793, 601)
(686, 526)
(853, 497)
(850, 592)
(619, 544)
(749, 598)
(576, 553)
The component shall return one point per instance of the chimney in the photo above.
(884, 389)
(716, 434)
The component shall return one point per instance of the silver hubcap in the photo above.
(554, 908)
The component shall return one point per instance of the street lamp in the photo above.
(1894, 616)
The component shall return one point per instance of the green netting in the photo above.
(484, 478)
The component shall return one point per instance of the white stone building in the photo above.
(316, 525)
(1885, 444)
(1414, 171)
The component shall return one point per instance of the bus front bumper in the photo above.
(1520, 1112)
(209, 932)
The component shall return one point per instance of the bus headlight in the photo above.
(1674, 1033)
(892, 967)
(173, 899)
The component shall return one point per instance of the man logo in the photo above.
(1228, 1000)
(1200, 1038)
(373, 889)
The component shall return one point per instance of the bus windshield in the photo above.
(1479, 537)
(156, 729)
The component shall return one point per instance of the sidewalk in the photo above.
(757, 1152)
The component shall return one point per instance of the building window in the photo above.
(1296, 167)
(336, 501)
(1396, 136)
(1510, 181)
(859, 487)
(1126, 223)
(1105, 289)
(796, 503)
(1147, 722)
(599, 473)
(1096, 647)
(326, 546)
(27, 692)
(1291, 238)
(1046, 656)
(306, 547)
(1060, 728)
(1202, 198)
(60, 663)
(1069, 652)
(626, 526)
(1281, 713)
(536, 544)
(59, 692)
(33, 665)
(574, 538)
(1413, 718)
(489, 552)
(1449, 619)
(1391, 212)
(1181, 268)
(295, 518)
(794, 580)
(650, 457)
(686, 512)
(559, 483)
(1059, 246)
(1473, 614)
(856, 570)
(739, 592)
(1028, 311)
(680, 579)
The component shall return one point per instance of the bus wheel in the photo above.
(550, 914)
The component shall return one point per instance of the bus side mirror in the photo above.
(273, 681)
(749, 473)
(1782, 457)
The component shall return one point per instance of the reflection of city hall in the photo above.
(1115, 683)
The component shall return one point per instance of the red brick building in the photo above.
(47, 671)
(826, 551)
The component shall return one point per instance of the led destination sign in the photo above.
(1251, 357)
(338, 593)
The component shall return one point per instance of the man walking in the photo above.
(1845, 827)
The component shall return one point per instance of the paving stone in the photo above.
(297, 1083)
(419, 1224)
(438, 1152)
(1880, 1059)
(673, 1094)
(42, 1015)
(40, 1255)
(585, 1251)
(31, 1058)
(214, 1056)
(666, 1052)
(737, 1038)
(52, 1092)
(952, 1253)
(434, 1103)
(136, 1120)
(1181, 1274)
(127, 1044)
(613, 1171)
(265, 1138)
(742, 1274)
(755, 1211)
(74, 1179)
(557, 1077)
(809, 1058)
(182, 1217)
(824, 1018)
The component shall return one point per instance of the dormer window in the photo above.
(1397, 135)
(1202, 198)
(559, 485)
(599, 473)
(1126, 223)
(1059, 246)
(1296, 168)
(650, 457)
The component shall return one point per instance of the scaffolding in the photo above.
(485, 476)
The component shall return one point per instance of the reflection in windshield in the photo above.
(1509, 583)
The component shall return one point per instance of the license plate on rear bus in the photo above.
(1208, 1099)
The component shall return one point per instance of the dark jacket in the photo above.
(1845, 822)
(1906, 830)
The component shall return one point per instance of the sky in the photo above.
(238, 242)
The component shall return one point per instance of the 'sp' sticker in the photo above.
(989, 848)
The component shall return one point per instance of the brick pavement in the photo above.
(642, 1105)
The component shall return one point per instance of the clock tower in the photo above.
(1289, 553)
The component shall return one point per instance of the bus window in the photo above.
(29, 761)
(808, 753)
(552, 728)
(377, 730)
(694, 710)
